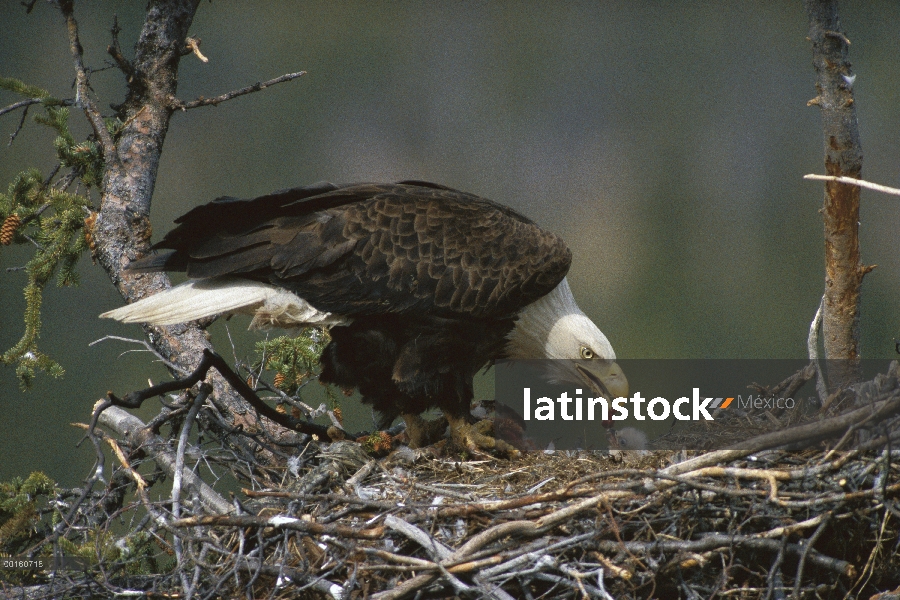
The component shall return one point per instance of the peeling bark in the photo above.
(122, 229)
(844, 270)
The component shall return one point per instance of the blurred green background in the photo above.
(664, 141)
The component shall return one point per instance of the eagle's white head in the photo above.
(554, 327)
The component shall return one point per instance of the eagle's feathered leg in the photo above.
(423, 432)
(477, 437)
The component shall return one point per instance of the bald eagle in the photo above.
(422, 286)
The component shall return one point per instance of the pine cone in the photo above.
(338, 414)
(384, 441)
(279, 379)
(8, 229)
(88, 231)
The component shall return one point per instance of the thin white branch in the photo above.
(149, 348)
(812, 347)
(812, 342)
(858, 182)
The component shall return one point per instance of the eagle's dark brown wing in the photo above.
(370, 249)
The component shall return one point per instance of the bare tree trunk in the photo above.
(844, 270)
(121, 230)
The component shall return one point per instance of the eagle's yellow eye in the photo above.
(587, 353)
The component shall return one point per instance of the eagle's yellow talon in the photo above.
(478, 438)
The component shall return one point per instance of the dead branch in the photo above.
(858, 182)
(281, 521)
(20, 104)
(82, 97)
(15, 133)
(194, 45)
(149, 348)
(212, 360)
(25, 105)
(807, 434)
(115, 51)
(122, 229)
(139, 435)
(809, 545)
(201, 101)
(843, 157)
(715, 541)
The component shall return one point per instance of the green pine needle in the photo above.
(54, 220)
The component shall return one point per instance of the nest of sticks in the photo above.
(573, 525)
(811, 511)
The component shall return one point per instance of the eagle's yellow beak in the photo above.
(603, 377)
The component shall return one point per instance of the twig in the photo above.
(717, 540)
(442, 492)
(149, 348)
(311, 413)
(117, 450)
(194, 45)
(35, 214)
(809, 545)
(234, 94)
(858, 182)
(791, 529)
(21, 104)
(292, 523)
(520, 558)
(115, 51)
(775, 569)
(52, 174)
(21, 124)
(82, 98)
(512, 528)
(335, 498)
(63, 183)
(204, 390)
(812, 340)
(29, 238)
(360, 475)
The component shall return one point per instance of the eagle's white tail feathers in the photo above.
(192, 300)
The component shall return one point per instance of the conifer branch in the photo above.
(59, 239)
(201, 101)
